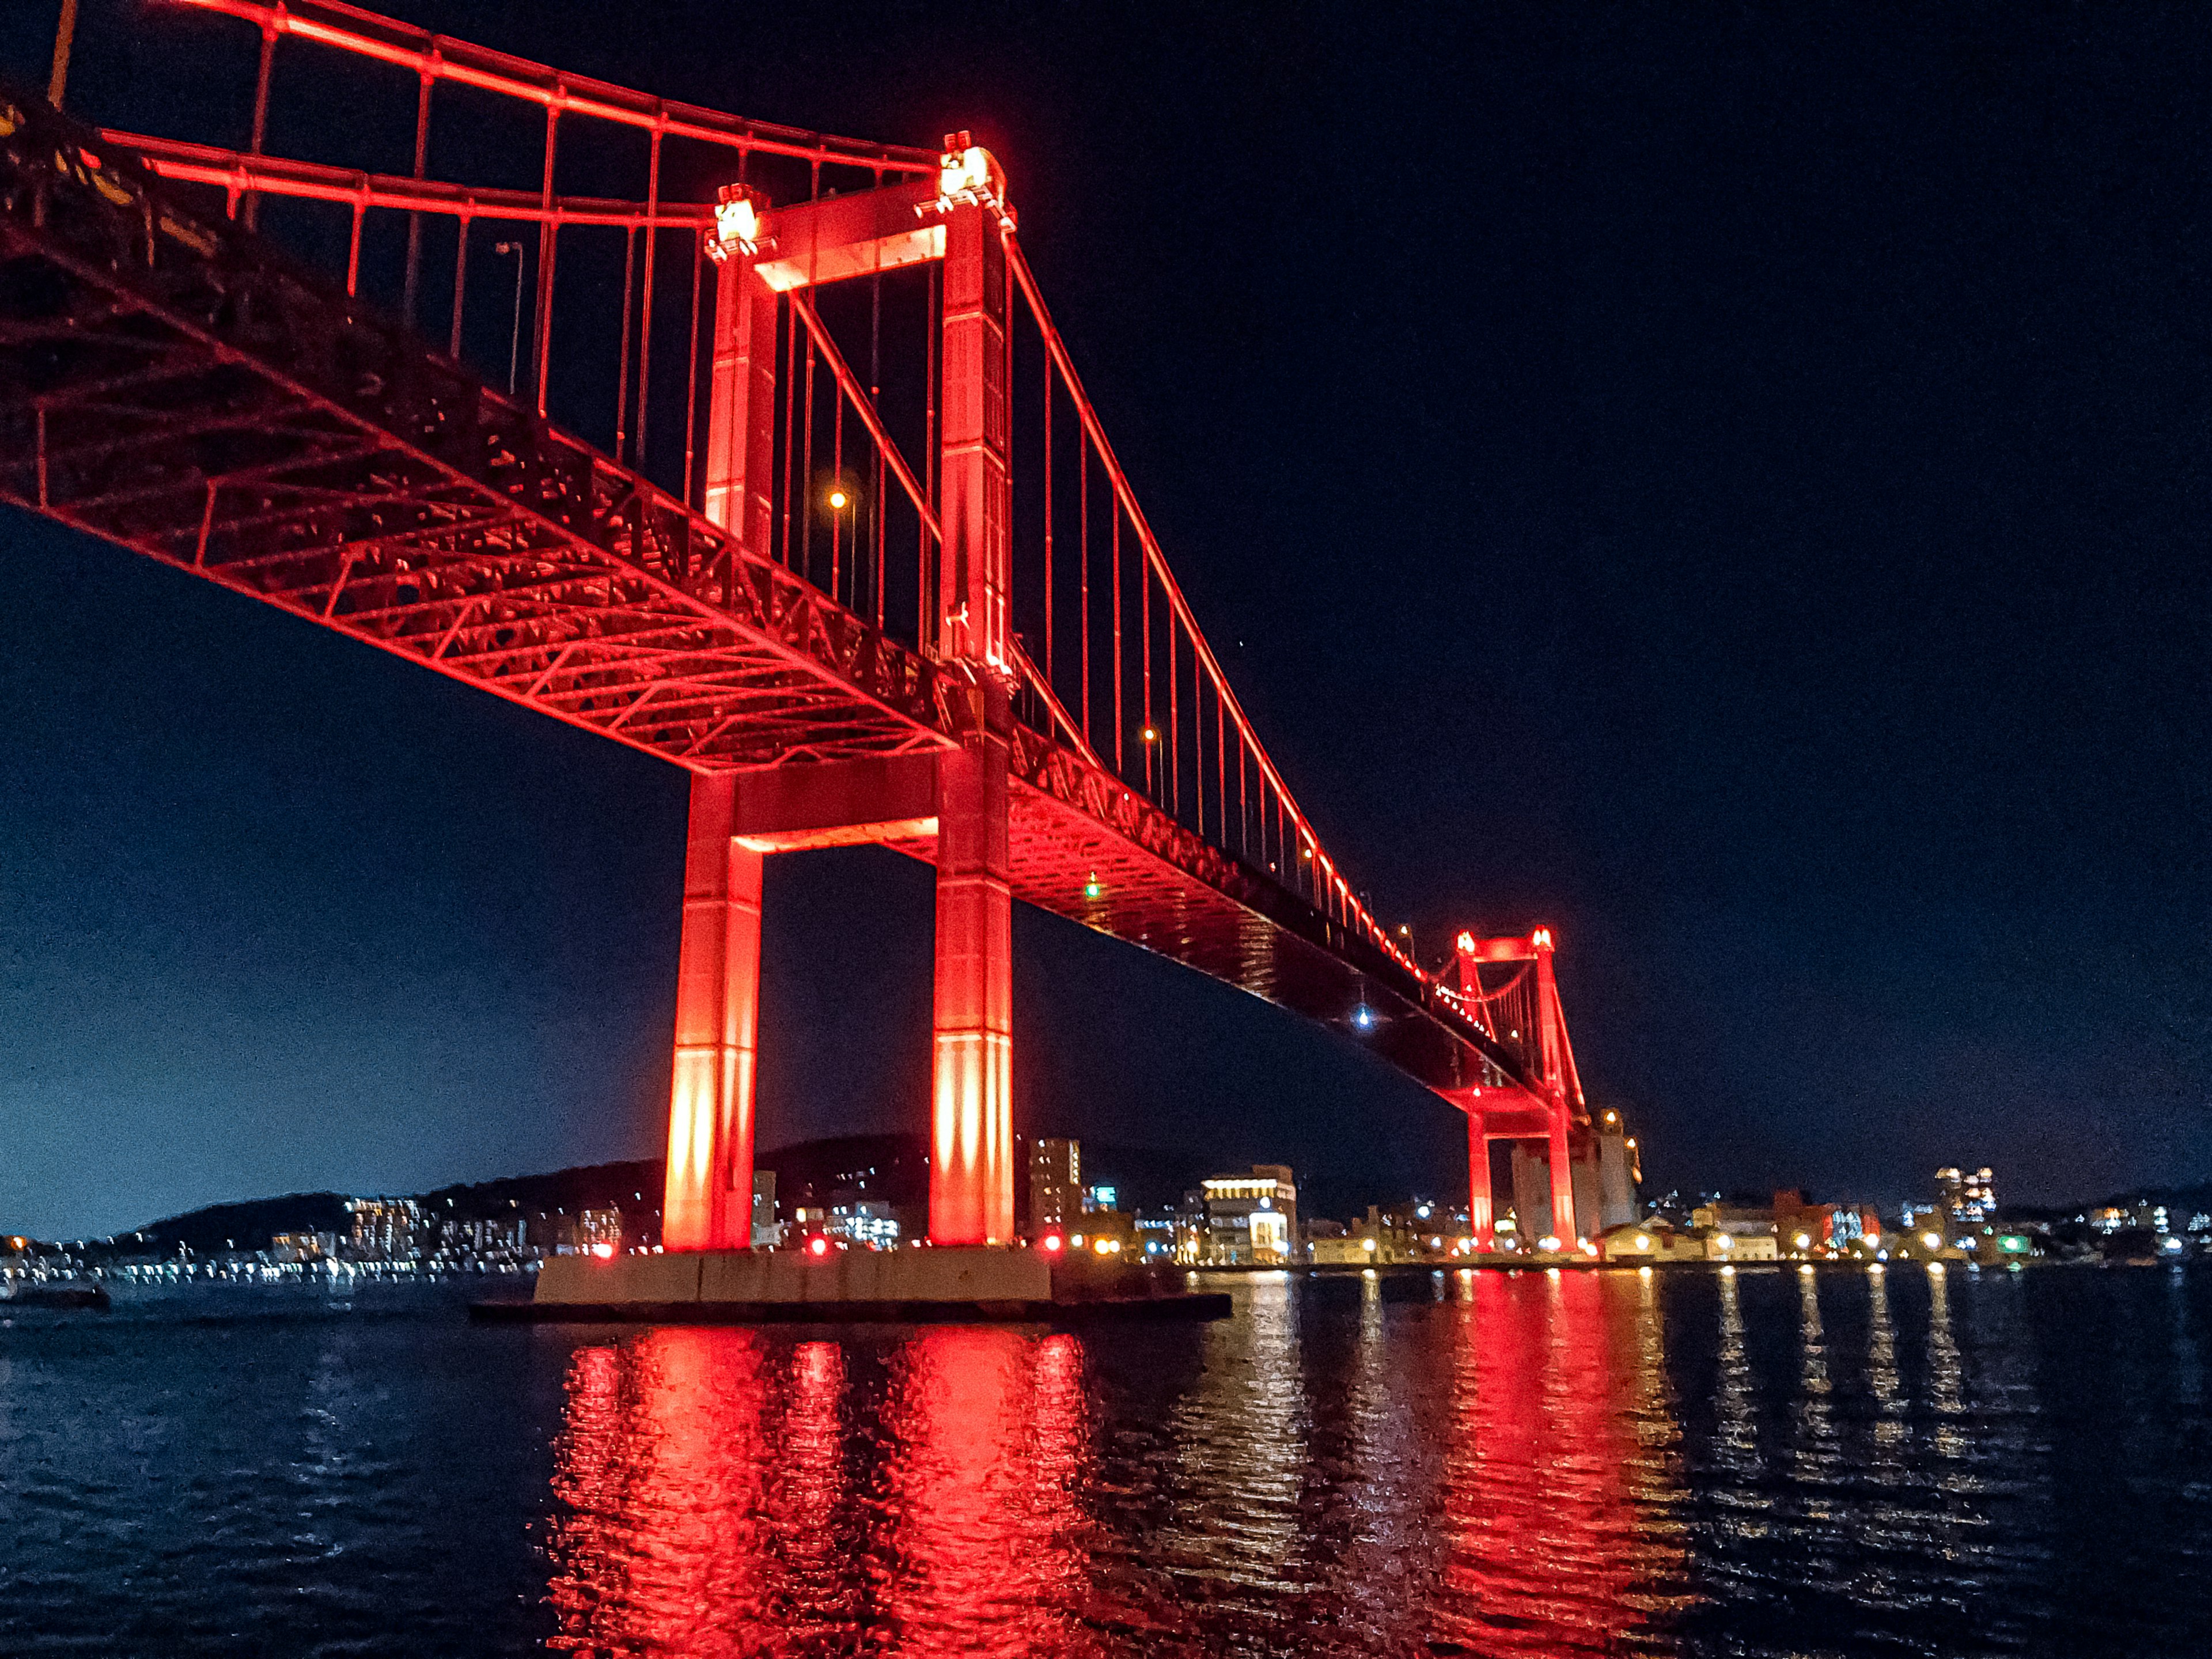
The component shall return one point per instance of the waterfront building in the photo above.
(1805, 1227)
(1332, 1244)
(599, 1232)
(507, 1236)
(1056, 1195)
(1966, 1200)
(872, 1190)
(1723, 1245)
(1736, 1232)
(383, 1229)
(1653, 1239)
(1155, 1234)
(767, 1231)
(1249, 1219)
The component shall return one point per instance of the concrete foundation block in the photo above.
(750, 1278)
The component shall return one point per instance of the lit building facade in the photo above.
(1966, 1200)
(1248, 1220)
(767, 1231)
(383, 1229)
(1807, 1229)
(1056, 1195)
(599, 1232)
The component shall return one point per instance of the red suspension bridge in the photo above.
(829, 522)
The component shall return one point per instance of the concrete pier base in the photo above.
(734, 1287)
(980, 1274)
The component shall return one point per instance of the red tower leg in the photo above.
(971, 1170)
(1563, 1180)
(1552, 1031)
(1479, 1219)
(709, 1196)
(971, 1167)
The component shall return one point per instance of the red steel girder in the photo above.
(168, 383)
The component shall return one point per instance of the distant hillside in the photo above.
(246, 1226)
(633, 1187)
(1144, 1176)
(2195, 1198)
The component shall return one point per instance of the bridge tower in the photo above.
(971, 1168)
(956, 796)
(1548, 1117)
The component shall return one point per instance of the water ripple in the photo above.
(1763, 1463)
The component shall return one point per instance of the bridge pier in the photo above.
(1482, 1221)
(708, 1201)
(971, 1166)
(1563, 1178)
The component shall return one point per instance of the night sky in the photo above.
(1729, 483)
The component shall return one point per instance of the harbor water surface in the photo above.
(1767, 1463)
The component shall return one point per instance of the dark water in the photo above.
(1771, 1463)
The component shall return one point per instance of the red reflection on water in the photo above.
(807, 1491)
(710, 1506)
(990, 1427)
(661, 1467)
(1552, 1493)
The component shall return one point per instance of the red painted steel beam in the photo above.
(237, 172)
(364, 34)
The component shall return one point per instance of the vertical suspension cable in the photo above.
(836, 482)
(807, 466)
(1144, 618)
(548, 248)
(645, 319)
(1198, 744)
(415, 220)
(460, 287)
(1221, 767)
(788, 389)
(251, 202)
(622, 370)
(1048, 491)
(691, 386)
(1244, 804)
(1174, 724)
(876, 408)
(1121, 720)
(807, 438)
(924, 604)
(1083, 562)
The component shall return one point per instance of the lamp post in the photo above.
(64, 37)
